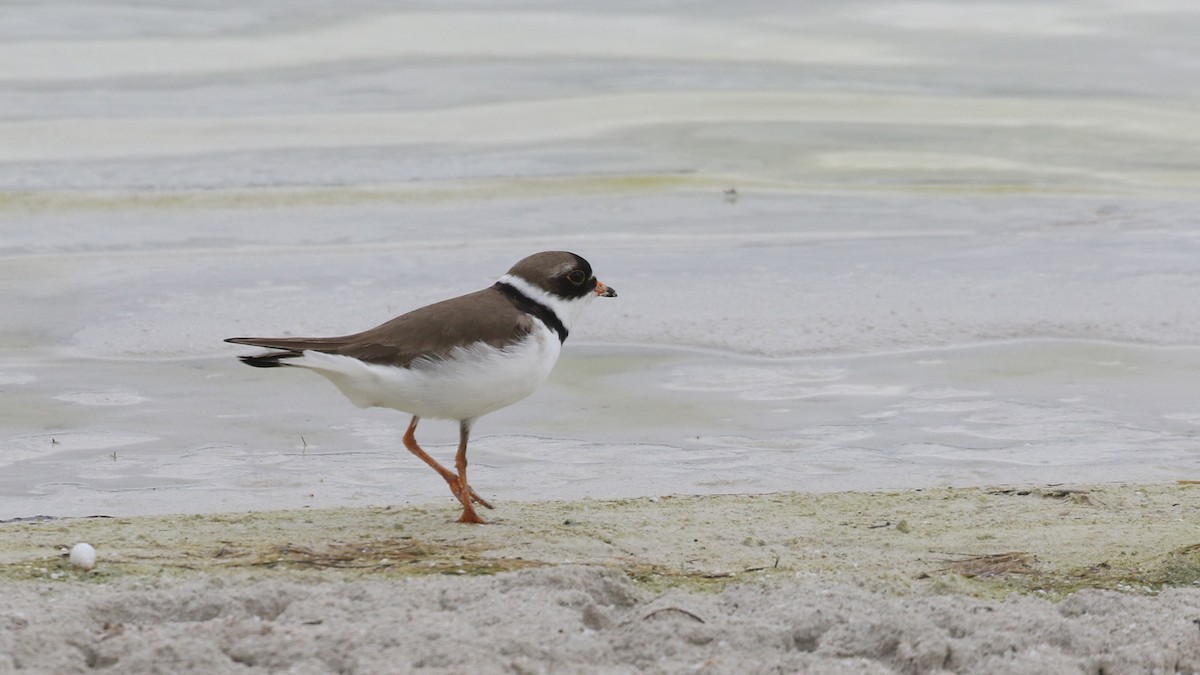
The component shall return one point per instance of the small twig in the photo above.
(673, 609)
(990, 565)
(318, 563)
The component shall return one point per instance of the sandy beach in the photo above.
(1055, 579)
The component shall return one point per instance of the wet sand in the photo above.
(1005, 579)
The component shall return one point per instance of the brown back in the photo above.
(483, 316)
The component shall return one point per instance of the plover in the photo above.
(458, 359)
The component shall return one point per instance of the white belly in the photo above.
(468, 383)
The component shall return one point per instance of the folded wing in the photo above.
(430, 332)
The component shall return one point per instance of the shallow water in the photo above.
(203, 434)
(865, 245)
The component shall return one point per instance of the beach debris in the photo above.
(1074, 494)
(680, 610)
(404, 552)
(991, 565)
(29, 519)
(1055, 491)
(83, 556)
(763, 569)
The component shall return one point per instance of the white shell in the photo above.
(83, 555)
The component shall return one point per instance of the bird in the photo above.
(457, 359)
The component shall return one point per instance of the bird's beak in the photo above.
(604, 291)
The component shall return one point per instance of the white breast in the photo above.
(467, 383)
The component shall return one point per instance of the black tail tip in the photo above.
(266, 360)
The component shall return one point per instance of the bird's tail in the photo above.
(269, 359)
(289, 348)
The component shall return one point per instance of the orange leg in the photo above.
(410, 442)
(460, 461)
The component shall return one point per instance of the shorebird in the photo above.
(458, 359)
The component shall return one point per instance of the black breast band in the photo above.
(530, 306)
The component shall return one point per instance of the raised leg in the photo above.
(460, 462)
(410, 442)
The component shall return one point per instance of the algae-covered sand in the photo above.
(1131, 537)
(961, 580)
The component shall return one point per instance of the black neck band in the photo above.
(530, 306)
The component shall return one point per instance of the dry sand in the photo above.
(1056, 579)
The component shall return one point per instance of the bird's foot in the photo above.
(469, 516)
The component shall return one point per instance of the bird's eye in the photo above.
(576, 277)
